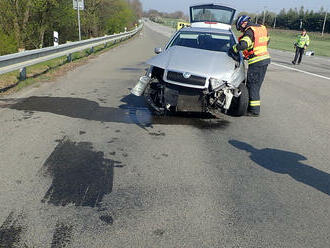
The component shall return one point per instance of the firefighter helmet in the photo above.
(240, 20)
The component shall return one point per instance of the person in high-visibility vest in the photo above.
(254, 44)
(301, 45)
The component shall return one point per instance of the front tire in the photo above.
(154, 99)
(240, 104)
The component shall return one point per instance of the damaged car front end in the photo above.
(195, 74)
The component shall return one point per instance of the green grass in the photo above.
(284, 40)
(47, 71)
(171, 22)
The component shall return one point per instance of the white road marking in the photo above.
(306, 72)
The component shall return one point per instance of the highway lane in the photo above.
(85, 164)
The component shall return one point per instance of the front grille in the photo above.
(178, 77)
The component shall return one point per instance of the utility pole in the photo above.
(263, 20)
(301, 23)
(78, 7)
(325, 20)
(275, 22)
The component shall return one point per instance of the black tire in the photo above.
(240, 104)
(150, 99)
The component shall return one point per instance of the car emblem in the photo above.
(186, 75)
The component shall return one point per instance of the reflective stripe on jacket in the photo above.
(257, 50)
(302, 41)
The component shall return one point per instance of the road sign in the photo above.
(56, 41)
(79, 3)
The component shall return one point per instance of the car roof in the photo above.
(206, 30)
(213, 4)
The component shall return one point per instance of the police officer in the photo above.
(301, 44)
(253, 43)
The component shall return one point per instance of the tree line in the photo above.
(153, 14)
(29, 24)
(293, 19)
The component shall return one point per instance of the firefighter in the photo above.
(253, 43)
(301, 45)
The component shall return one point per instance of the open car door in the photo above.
(205, 15)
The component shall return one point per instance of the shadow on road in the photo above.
(133, 111)
(284, 162)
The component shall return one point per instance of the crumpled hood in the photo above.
(195, 61)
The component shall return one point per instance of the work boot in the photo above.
(293, 62)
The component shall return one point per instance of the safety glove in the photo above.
(233, 53)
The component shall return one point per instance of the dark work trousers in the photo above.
(299, 53)
(255, 77)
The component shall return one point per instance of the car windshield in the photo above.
(212, 14)
(205, 41)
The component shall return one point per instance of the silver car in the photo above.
(194, 73)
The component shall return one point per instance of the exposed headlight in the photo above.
(216, 83)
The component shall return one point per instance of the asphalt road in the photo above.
(84, 164)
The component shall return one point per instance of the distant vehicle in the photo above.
(194, 72)
(182, 25)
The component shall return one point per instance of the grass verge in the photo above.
(284, 40)
(49, 70)
(171, 22)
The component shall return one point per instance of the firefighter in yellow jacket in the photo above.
(254, 44)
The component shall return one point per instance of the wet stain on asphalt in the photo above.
(191, 119)
(62, 236)
(120, 165)
(102, 100)
(156, 157)
(157, 134)
(11, 230)
(80, 175)
(159, 232)
(107, 219)
(134, 111)
(112, 140)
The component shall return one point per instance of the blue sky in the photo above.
(240, 5)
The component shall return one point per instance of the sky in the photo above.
(240, 5)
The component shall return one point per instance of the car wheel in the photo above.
(152, 96)
(240, 104)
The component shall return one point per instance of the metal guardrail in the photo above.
(19, 61)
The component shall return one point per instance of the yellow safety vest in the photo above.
(257, 50)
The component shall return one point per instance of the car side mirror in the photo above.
(158, 50)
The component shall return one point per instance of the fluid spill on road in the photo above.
(157, 134)
(191, 119)
(134, 111)
(159, 232)
(80, 176)
(62, 236)
(107, 219)
(10, 231)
